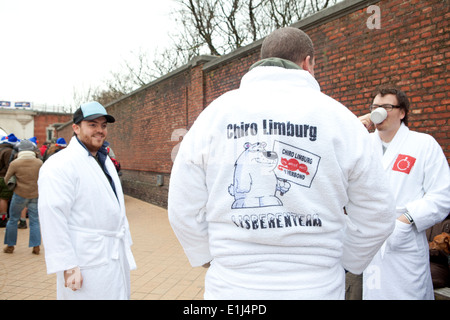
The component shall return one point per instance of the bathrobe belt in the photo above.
(118, 236)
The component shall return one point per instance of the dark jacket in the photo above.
(5, 153)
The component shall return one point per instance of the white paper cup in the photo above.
(378, 115)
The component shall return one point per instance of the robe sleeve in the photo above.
(370, 210)
(188, 196)
(434, 206)
(56, 196)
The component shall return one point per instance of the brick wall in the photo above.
(44, 120)
(141, 137)
(226, 76)
(410, 49)
(66, 131)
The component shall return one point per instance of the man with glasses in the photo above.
(419, 177)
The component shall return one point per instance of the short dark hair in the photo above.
(402, 99)
(287, 43)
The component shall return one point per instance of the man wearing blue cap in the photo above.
(82, 213)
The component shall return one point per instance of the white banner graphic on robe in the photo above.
(295, 165)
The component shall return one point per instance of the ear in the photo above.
(403, 113)
(308, 65)
(76, 128)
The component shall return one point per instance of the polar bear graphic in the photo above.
(255, 183)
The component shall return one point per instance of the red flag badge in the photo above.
(404, 163)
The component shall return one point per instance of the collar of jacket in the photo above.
(26, 155)
(278, 72)
(276, 62)
(102, 154)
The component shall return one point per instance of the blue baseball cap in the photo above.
(90, 111)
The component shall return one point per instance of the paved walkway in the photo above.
(163, 271)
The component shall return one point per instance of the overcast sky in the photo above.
(51, 47)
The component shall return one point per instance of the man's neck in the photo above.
(388, 135)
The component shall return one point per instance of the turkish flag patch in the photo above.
(404, 163)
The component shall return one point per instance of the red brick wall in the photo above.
(44, 120)
(141, 135)
(227, 76)
(65, 131)
(411, 50)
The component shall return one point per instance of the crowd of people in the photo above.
(20, 161)
(307, 201)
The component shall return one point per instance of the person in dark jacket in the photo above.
(6, 148)
(26, 170)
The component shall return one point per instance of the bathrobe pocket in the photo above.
(402, 238)
(91, 249)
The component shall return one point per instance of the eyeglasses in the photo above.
(387, 107)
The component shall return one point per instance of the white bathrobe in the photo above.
(259, 187)
(419, 178)
(83, 224)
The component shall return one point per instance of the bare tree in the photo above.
(81, 96)
(218, 27)
(214, 27)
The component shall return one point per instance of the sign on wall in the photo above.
(22, 104)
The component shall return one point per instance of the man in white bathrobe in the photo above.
(260, 182)
(82, 214)
(419, 178)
